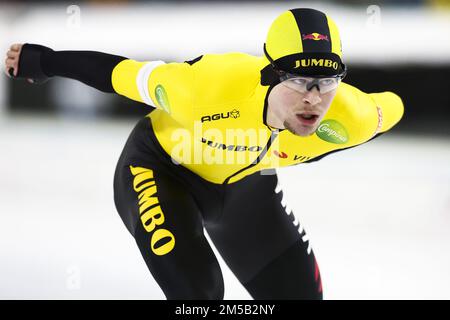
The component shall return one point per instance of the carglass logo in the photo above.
(332, 131)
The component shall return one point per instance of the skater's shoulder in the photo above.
(224, 63)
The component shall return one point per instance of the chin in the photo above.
(302, 133)
(306, 131)
(305, 134)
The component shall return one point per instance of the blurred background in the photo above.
(383, 231)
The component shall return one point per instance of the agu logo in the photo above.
(162, 240)
(217, 116)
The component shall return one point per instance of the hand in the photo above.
(12, 61)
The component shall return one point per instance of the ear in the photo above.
(270, 76)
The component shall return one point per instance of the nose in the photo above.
(312, 96)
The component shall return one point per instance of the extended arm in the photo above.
(152, 82)
(90, 67)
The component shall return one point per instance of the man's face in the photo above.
(293, 108)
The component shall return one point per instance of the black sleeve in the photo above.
(90, 67)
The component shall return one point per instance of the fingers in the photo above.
(12, 54)
(16, 47)
(12, 59)
(11, 63)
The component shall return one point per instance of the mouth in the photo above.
(307, 118)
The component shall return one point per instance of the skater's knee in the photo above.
(206, 287)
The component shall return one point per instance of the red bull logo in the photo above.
(314, 36)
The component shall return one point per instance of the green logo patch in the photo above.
(332, 131)
(161, 97)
